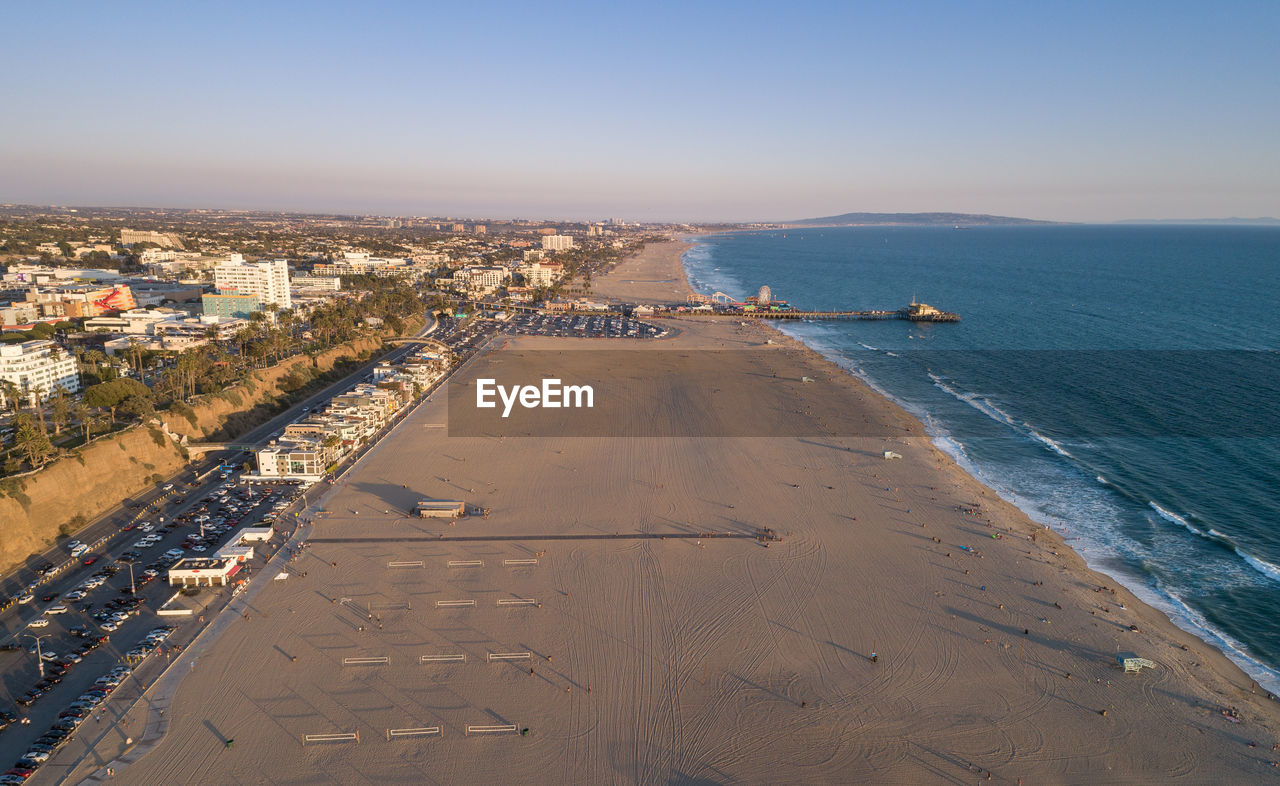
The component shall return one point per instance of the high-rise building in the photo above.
(37, 367)
(269, 280)
(557, 242)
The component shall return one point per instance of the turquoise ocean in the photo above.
(1120, 384)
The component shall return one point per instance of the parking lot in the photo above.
(576, 326)
(78, 646)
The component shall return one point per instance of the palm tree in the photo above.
(12, 395)
(61, 409)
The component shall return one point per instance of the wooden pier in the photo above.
(763, 306)
(939, 316)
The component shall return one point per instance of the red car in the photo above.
(128, 527)
(90, 560)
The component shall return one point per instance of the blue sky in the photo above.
(687, 111)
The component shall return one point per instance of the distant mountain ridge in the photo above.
(914, 219)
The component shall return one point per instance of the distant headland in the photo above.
(914, 219)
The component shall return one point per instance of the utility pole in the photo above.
(39, 652)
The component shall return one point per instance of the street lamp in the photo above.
(133, 590)
(39, 652)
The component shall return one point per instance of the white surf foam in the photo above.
(1174, 518)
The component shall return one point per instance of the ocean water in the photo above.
(1120, 384)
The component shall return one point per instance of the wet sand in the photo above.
(703, 660)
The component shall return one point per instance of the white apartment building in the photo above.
(37, 367)
(299, 457)
(542, 274)
(136, 321)
(557, 242)
(220, 328)
(480, 278)
(269, 280)
(331, 283)
(360, 263)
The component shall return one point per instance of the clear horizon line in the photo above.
(561, 219)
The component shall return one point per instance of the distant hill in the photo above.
(1244, 222)
(914, 219)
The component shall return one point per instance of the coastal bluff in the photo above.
(91, 480)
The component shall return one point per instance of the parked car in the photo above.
(39, 622)
(29, 698)
(58, 609)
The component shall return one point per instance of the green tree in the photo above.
(61, 410)
(138, 406)
(85, 418)
(12, 395)
(110, 395)
(31, 439)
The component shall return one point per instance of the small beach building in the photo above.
(203, 572)
(441, 509)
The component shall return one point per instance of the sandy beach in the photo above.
(908, 627)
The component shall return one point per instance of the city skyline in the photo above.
(712, 113)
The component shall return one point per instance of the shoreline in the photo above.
(1173, 609)
(1152, 600)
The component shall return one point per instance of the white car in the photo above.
(109, 626)
(26, 597)
(74, 595)
(147, 526)
(58, 609)
(47, 655)
(71, 545)
(39, 622)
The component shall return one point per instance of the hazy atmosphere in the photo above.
(703, 112)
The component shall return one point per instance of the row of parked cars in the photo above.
(79, 710)
(220, 512)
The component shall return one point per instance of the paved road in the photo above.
(153, 503)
